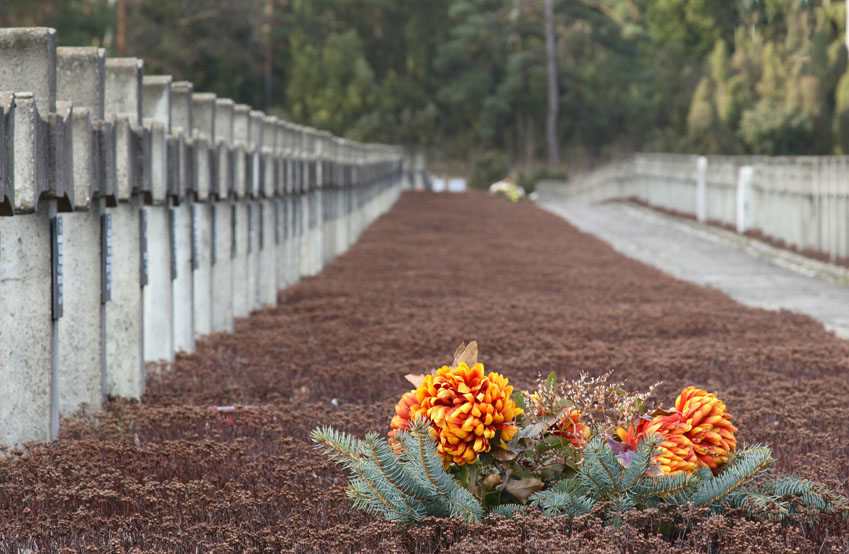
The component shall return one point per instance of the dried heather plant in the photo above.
(601, 404)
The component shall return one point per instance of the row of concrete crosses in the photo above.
(137, 215)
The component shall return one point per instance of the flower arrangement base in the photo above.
(464, 444)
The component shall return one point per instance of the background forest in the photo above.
(466, 79)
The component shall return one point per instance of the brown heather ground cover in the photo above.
(169, 474)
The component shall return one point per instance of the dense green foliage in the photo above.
(404, 487)
(410, 483)
(465, 77)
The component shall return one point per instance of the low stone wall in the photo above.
(137, 215)
(801, 200)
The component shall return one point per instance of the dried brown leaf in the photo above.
(502, 454)
(415, 378)
(521, 489)
(466, 354)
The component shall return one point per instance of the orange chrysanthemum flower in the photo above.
(467, 409)
(698, 433)
(675, 450)
(710, 429)
(405, 411)
(571, 427)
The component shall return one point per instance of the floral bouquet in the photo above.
(464, 443)
(507, 190)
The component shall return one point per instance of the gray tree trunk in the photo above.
(553, 91)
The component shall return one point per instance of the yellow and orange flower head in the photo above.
(405, 411)
(467, 409)
(676, 452)
(571, 427)
(698, 433)
(710, 429)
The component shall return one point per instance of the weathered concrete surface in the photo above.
(710, 262)
(158, 328)
(291, 240)
(25, 302)
(241, 306)
(253, 298)
(316, 244)
(156, 98)
(222, 270)
(281, 247)
(123, 95)
(288, 262)
(81, 357)
(124, 344)
(123, 101)
(202, 276)
(28, 63)
(302, 209)
(80, 80)
(158, 294)
(181, 106)
(331, 229)
(203, 114)
(80, 345)
(267, 255)
(184, 337)
(338, 223)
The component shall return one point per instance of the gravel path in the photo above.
(170, 474)
(701, 255)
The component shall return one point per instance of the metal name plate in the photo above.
(105, 258)
(58, 255)
(172, 240)
(213, 239)
(195, 242)
(233, 242)
(143, 261)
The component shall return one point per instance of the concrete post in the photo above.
(701, 188)
(341, 199)
(28, 333)
(268, 209)
(327, 232)
(25, 355)
(288, 187)
(744, 192)
(29, 63)
(243, 240)
(124, 318)
(316, 245)
(222, 226)
(303, 206)
(203, 121)
(255, 212)
(147, 171)
(182, 228)
(82, 356)
(158, 294)
(281, 232)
